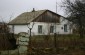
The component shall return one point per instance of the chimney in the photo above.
(33, 10)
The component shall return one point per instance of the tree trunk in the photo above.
(80, 28)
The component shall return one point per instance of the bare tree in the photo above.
(30, 26)
(75, 9)
(30, 29)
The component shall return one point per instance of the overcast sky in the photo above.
(16, 7)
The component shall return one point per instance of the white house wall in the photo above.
(61, 25)
(45, 27)
(19, 28)
(59, 30)
(24, 28)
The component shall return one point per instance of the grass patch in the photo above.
(65, 44)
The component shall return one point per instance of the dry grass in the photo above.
(65, 45)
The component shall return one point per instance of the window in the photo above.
(39, 28)
(51, 29)
(65, 27)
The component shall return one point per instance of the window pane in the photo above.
(51, 29)
(40, 29)
(65, 27)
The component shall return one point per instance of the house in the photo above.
(42, 22)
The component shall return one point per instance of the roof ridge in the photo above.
(34, 11)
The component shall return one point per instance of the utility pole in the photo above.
(56, 6)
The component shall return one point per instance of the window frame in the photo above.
(65, 28)
(40, 29)
(51, 29)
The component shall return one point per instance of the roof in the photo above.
(28, 17)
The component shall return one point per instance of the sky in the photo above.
(9, 9)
